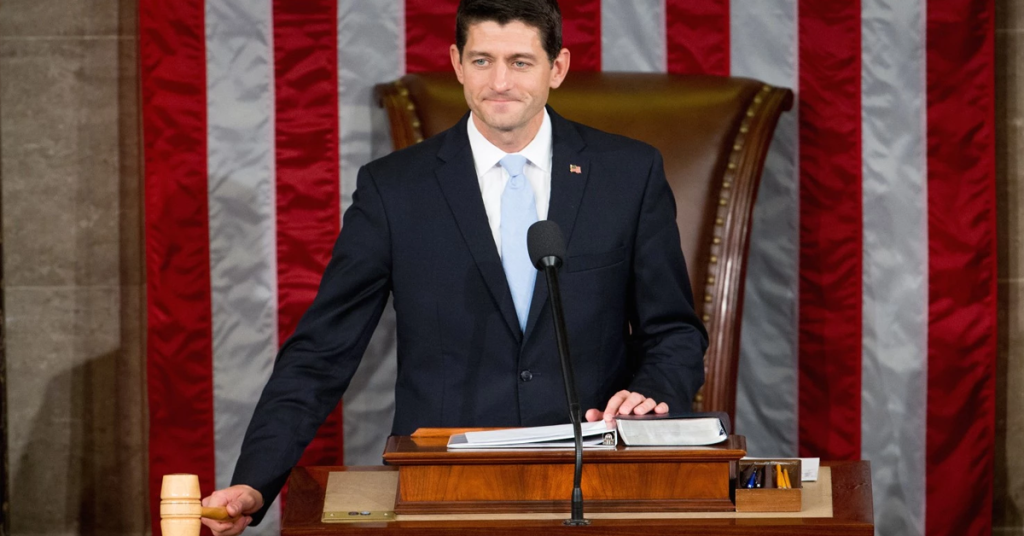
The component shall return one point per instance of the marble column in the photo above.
(72, 266)
(1009, 467)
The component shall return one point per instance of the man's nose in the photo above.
(500, 81)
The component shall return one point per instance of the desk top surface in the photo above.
(851, 504)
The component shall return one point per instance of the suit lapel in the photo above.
(570, 170)
(461, 188)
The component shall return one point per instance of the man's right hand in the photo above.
(241, 501)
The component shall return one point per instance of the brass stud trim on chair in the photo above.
(727, 179)
(410, 110)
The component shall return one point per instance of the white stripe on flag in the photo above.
(243, 275)
(763, 45)
(895, 275)
(633, 36)
(371, 46)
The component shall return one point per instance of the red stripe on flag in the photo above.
(172, 44)
(581, 33)
(429, 33)
(830, 229)
(308, 189)
(962, 266)
(697, 36)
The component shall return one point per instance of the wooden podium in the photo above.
(628, 491)
(435, 480)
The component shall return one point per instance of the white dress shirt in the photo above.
(492, 177)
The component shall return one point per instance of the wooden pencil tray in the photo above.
(769, 497)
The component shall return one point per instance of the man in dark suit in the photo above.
(442, 226)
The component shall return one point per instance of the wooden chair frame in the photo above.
(720, 301)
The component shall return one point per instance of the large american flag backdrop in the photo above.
(869, 328)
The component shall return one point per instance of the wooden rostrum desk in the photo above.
(486, 496)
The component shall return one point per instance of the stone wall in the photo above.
(1008, 511)
(72, 266)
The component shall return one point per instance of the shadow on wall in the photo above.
(83, 468)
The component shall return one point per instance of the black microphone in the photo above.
(547, 247)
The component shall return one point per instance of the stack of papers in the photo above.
(595, 434)
(651, 432)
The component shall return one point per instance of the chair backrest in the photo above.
(713, 133)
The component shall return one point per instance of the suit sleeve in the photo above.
(668, 340)
(314, 367)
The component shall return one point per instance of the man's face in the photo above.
(506, 76)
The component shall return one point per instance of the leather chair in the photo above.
(714, 135)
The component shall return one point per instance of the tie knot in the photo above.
(513, 164)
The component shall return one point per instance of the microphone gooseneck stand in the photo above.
(547, 247)
(551, 265)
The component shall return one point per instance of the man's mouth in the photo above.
(501, 100)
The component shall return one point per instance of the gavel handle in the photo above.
(218, 513)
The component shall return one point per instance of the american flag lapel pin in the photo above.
(573, 168)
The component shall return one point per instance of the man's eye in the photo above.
(480, 62)
(520, 65)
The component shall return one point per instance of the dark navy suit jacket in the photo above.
(417, 229)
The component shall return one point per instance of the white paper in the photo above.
(672, 432)
(808, 467)
(559, 435)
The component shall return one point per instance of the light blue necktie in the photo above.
(518, 213)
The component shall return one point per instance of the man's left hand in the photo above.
(626, 403)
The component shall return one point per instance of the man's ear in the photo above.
(456, 61)
(559, 68)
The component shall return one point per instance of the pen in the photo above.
(785, 474)
(752, 482)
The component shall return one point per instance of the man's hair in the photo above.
(541, 14)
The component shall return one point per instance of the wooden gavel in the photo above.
(180, 507)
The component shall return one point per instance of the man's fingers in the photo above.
(593, 415)
(243, 504)
(644, 407)
(223, 528)
(632, 401)
(238, 500)
(613, 404)
(626, 402)
(216, 526)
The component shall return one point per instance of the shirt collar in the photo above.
(486, 155)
